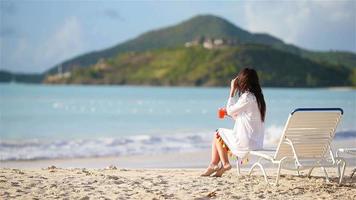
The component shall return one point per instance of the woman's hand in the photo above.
(233, 87)
(233, 84)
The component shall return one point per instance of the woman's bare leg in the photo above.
(224, 159)
(215, 158)
(222, 153)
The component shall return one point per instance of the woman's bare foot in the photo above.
(211, 169)
(222, 170)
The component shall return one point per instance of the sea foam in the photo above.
(34, 149)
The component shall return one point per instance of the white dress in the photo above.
(248, 130)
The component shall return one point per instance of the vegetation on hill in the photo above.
(347, 59)
(6, 76)
(201, 26)
(159, 58)
(197, 66)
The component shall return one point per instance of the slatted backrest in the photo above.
(311, 131)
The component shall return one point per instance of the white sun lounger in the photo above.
(305, 143)
(350, 151)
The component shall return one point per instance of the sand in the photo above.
(118, 183)
(165, 176)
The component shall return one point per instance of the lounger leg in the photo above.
(340, 163)
(310, 171)
(353, 172)
(342, 171)
(262, 169)
(338, 166)
(238, 167)
(252, 168)
(326, 175)
(298, 172)
(279, 172)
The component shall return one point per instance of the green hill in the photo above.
(159, 57)
(347, 59)
(201, 26)
(197, 66)
(6, 76)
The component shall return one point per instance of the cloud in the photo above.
(65, 42)
(312, 24)
(336, 11)
(113, 14)
(15, 52)
(27, 55)
(276, 20)
(7, 11)
(283, 19)
(8, 32)
(7, 7)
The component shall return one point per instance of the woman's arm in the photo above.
(233, 107)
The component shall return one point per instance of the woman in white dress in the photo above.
(248, 112)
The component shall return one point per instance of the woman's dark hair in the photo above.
(248, 81)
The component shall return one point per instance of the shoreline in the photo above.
(196, 159)
(335, 88)
(191, 160)
(100, 148)
(166, 160)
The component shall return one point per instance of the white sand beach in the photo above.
(165, 176)
(53, 183)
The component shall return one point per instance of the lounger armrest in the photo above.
(264, 153)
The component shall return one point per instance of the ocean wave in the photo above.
(35, 149)
(345, 134)
(274, 132)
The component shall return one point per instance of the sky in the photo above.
(36, 35)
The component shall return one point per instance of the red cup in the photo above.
(222, 113)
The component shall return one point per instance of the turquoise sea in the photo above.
(60, 121)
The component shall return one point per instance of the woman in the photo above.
(248, 112)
